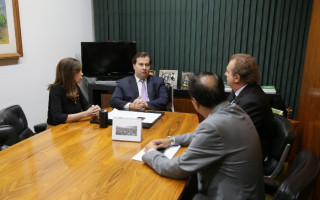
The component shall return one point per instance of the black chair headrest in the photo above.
(15, 117)
(302, 173)
(8, 136)
(169, 88)
(283, 134)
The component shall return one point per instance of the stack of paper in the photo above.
(269, 89)
(147, 117)
(169, 152)
(227, 88)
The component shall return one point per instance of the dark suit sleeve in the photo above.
(126, 91)
(255, 111)
(159, 100)
(255, 103)
(117, 98)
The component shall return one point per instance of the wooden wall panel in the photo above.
(183, 104)
(105, 100)
(308, 133)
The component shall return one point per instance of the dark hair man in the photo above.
(140, 91)
(224, 150)
(242, 76)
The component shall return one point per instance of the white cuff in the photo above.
(126, 107)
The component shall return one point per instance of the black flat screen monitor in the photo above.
(107, 59)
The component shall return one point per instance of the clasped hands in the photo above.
(158, 144)
(138, 104)
(93, 111)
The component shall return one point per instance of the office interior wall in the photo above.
(201, 35)
(50, 30)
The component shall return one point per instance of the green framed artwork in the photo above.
(10, 31)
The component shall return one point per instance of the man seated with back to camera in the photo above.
(224, 150)
(130, 93)
(242, 76)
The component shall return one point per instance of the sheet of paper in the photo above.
(169, 152)
(146, 116)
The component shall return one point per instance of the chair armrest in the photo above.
(40, 127)
(8, 136)
(270, 186)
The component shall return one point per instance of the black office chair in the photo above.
(297, 184)
(8, 136)
(40, 127)
(15, 117)
(282, 140)
(170, 106)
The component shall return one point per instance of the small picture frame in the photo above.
(127, 129)
(169, 76)
(185, 77)
(152, 72)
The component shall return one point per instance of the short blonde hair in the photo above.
(247, 68)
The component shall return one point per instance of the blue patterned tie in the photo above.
(144, 93)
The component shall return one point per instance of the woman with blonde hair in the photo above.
(66, 101)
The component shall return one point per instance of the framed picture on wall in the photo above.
(10, 32)
(170, 76)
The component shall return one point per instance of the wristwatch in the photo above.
(171, 138)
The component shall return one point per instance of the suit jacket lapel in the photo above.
(243, 93)
(230, 97)
(134, 86)
(149, 88)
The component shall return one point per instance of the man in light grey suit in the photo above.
(224, 150)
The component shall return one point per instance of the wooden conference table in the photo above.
(80, 161)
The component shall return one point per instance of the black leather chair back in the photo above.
(283, 134)
(302, 174)
(282, 141)
(8, 136)
(15, 117)
(170, 106)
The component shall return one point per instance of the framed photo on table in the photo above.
(10, 31)
(170, 76)
(152, 72)
(127, 129)
(185, 76)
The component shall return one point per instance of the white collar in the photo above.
(238, 91)
(137, 79)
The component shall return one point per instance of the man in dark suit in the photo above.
(224, 151)
(242, 76)
(140, 91)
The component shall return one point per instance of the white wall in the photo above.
(50, 30)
